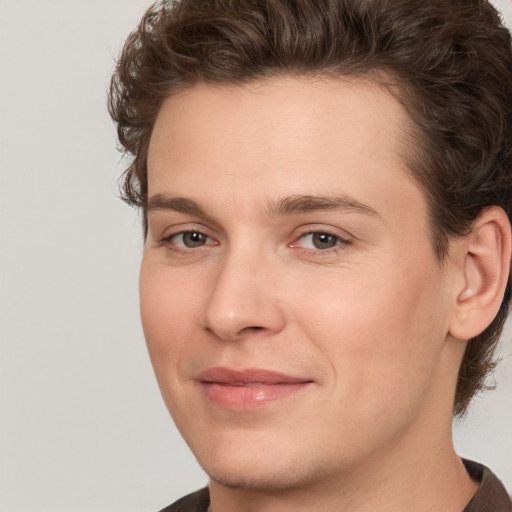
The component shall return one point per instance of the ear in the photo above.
(484, 265)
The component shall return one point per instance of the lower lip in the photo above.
(250, 396)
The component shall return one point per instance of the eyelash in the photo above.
(167, 241)
(341, 243)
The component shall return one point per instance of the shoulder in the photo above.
(491, 495)
(196, 502)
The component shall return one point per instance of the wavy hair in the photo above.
(449, 62)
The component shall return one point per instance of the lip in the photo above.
(248, 388)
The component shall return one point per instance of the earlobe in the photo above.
(486, 270)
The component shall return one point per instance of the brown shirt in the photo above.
(490, 496)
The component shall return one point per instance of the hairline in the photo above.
(411, 139)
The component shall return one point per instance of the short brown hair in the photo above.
(449, 61)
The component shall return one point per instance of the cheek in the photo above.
(381, 334)
(167, 307)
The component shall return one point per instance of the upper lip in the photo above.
(231, 376)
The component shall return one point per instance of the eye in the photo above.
(320, 241)
(189, 239)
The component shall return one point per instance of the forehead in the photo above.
(280, 137)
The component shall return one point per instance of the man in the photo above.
(326, 187)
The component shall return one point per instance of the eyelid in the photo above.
(208, 240)
(167, 227)
(344, 239)
(161, 221)
(179, 229)
(330, 230)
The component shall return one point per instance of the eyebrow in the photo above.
(291, 205)
(306, 203)
(177, 204)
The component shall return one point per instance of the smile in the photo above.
(248, 389)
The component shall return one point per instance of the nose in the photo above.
(243, 300)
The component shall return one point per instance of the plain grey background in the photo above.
(82, 424)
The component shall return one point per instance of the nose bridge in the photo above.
(242, 299)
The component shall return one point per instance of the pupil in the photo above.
(324, 240)
(193, 239)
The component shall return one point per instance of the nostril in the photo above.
(251, 328)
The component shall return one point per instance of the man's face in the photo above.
(294, 310)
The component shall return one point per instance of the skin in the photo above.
(365, 321)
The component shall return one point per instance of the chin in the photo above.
(265, 469)
(273, 480)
